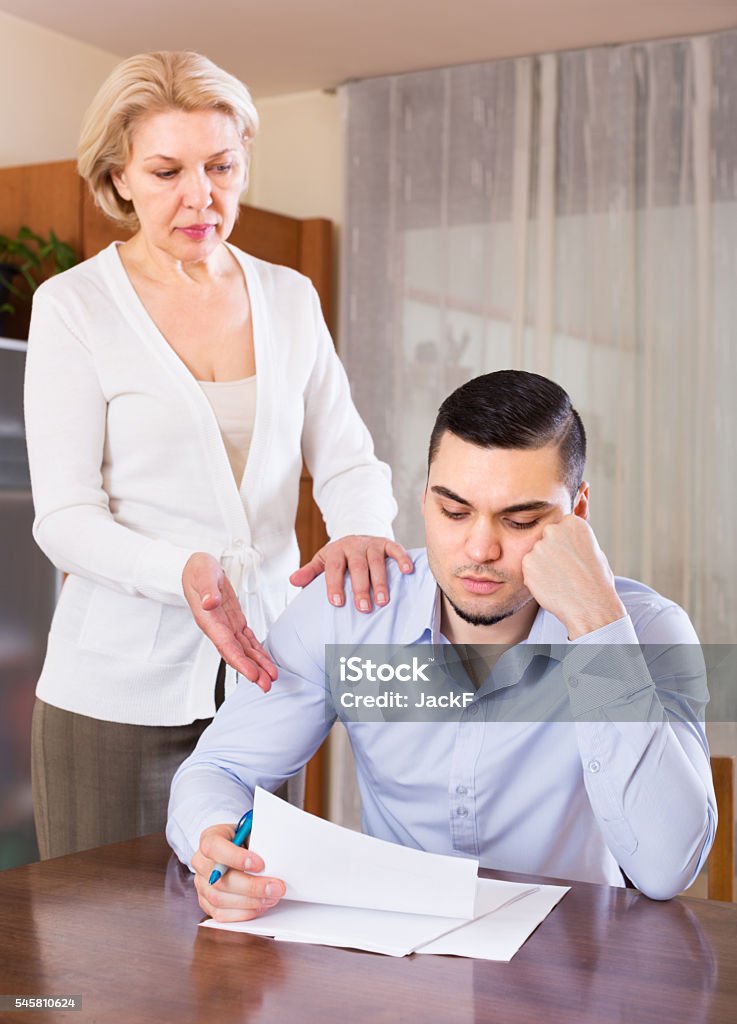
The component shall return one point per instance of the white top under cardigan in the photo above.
(234, 405)
(130, 476)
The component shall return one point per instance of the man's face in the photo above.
(484, 509)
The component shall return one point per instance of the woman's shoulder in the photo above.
(78, 279)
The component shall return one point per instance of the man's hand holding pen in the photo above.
(243, 893)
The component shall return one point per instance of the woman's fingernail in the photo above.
(337, 600)
(272, 890)
(381, 597)
(363, 604)
(269, 903)
(248, 863)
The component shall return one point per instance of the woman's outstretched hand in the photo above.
(218, 613)
(365, 560)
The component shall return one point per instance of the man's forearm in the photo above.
(638, 712)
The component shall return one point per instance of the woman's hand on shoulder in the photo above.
(218, 613)
(364, 558)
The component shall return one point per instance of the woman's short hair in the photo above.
(146, 84)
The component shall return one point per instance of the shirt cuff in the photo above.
(606, 669)
(186, 840)
(367, 527)
(159, 569)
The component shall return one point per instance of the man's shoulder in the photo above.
(311, 612)
(649, 609)
(639, 596)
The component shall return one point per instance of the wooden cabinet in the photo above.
(53, 196)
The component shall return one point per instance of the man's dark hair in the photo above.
(515, 409)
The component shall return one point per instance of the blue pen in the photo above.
(241, 834)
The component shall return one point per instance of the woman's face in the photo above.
(184, 176)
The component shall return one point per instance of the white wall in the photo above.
(297, 157)
(47, 81)
(297, 163)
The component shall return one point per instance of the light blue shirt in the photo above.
(616, 777)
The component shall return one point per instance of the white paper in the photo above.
(323, 863)
(377, 931)
(339, 884)
(498, 936)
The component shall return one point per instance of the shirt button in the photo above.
(462, 812)
(594, 767)
(573, 681)
(461, 790)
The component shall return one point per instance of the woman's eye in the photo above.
(222, 168)
(165, 175)
(522, 526)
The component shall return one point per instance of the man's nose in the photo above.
(483, 543)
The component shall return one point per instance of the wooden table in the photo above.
(118, 926)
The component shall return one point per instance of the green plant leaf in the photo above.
(25, 233)
(30, 257)
(30, 281)
(13, 289)
(26, 253)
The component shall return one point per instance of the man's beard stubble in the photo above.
(474, 619)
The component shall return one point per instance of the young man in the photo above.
(575, 748)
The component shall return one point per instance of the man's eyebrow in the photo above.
(527, 506)
(174, 159)
(445, 492)
(523, 506)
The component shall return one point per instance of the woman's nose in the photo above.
(197, 192)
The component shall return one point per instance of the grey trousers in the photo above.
(98, 782)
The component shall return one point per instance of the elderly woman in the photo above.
(174, 385)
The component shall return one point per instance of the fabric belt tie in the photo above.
(240, 562)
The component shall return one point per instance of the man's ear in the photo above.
(581, 504)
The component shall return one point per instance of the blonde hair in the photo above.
(145, 84)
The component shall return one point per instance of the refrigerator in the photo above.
(27, 599)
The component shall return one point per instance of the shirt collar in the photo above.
(424, 616)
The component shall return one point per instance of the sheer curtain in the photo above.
(574, 214)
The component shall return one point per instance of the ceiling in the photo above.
(284, 46)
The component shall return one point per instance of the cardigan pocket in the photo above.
(120, 625)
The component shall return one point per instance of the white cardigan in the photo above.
(130, 477)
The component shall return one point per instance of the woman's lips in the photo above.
(197, 231)
(479, 586)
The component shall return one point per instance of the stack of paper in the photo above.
(348, 889)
